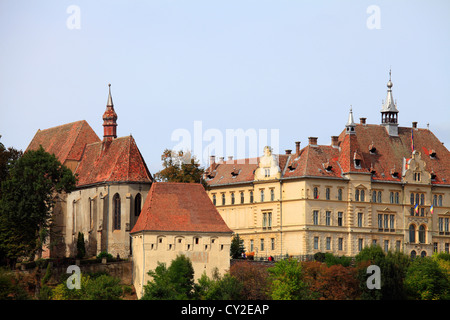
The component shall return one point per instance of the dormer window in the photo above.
(235, 173)
(433, 175)
(433, 154)
(394, 173)
(327, 166)
(292, 167)
(357, 160)
(372, 149)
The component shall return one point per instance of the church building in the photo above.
(113, 181)
(373, 184)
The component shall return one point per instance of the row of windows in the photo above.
(179, 245)
(386, 222)
(340, 244)
(360, 196)
(242, 197)
(262, 245)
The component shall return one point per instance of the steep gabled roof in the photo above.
(66, 142)
(182, 207)
(118, 160)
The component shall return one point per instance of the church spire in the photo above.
(389, 111)
(109, 120)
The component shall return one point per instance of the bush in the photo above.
(97, 286)
(106, 255)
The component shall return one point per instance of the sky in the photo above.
(186, 73)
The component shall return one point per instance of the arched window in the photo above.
(423, 254)
(422, 234)
(412, 233)
(137, 205)
(116, 206)
(413, 254)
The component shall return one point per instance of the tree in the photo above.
(28, 196)
(218, 288)
(392, 266)
(236, 247)
(81, 247)
(425, 280)
(287, 281)
(173, 283)
(180, 167)
(335, 282)
(7, 158)
(254, 279)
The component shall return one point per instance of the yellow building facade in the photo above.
(372, 185)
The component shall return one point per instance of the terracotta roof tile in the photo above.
(66, 142)
(379, 155)
(184, 207)
(118, 160)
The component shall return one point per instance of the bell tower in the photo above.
(109, 120)
(389, 112)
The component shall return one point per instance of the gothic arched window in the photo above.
(116, 206)
(412, 233)
(422, 234)
(137, 205)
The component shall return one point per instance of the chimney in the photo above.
(312, 141)
(297, 147)
(221, 160)
(230, 158)
(362, 120)
(334, 141)
(212, 162)
(414, 124)
(288, 151)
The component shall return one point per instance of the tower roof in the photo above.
(389, 104)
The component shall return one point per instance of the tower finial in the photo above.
(110, 102)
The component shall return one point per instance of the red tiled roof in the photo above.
(118, 160)
(171, 206)
(66, 142)
(387, 158)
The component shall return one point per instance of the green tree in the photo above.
(393, 266)
(218, 288)
(236, 247)
(81, 247)
(28, 196)
(287, 281)
(425, 280)
(180, 167)
(173, 283)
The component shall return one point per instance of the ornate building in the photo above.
(113, 181)
(373, 184)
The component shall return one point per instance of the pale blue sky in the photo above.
(295, 66)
